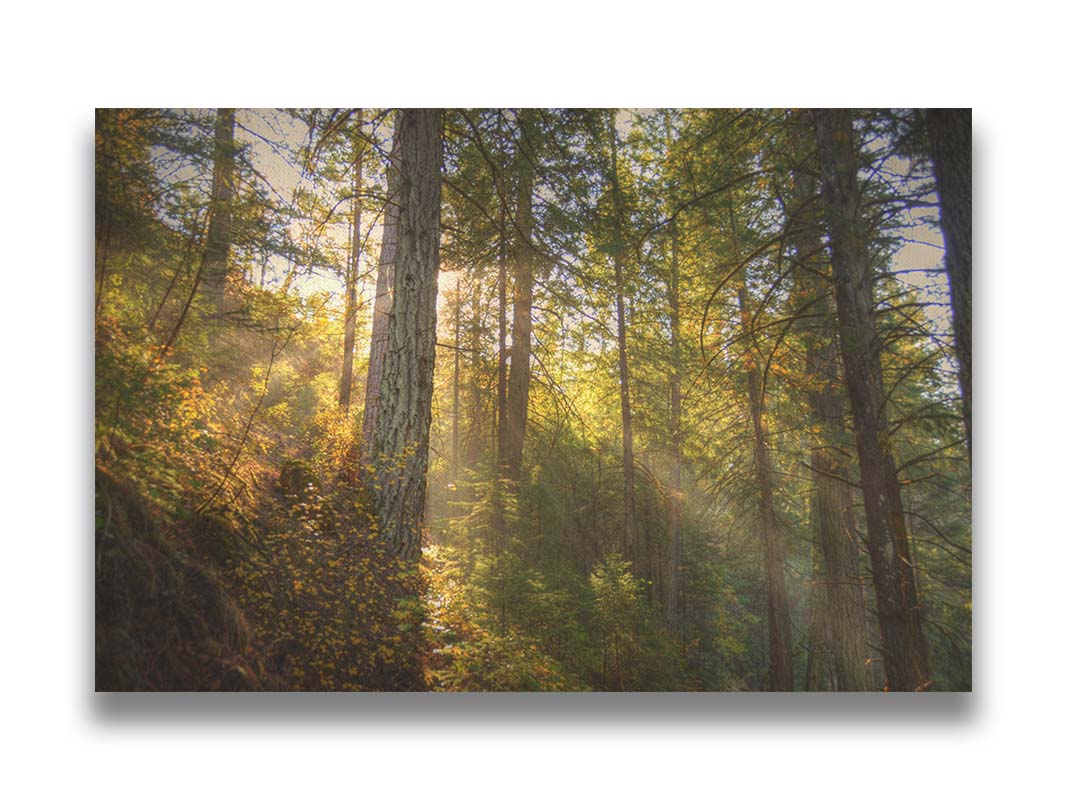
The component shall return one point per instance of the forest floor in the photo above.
(298, 593)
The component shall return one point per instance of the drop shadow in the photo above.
(873, 710)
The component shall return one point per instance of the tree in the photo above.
(674, 530)
(403, 426)
(219, 233)
(904, 648)
(618, 252)
(837, 582)
(949, 130)
(779, 627)
(383, 297)
(518, 389)
(352, 276)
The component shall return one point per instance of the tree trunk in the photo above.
(838, 585)
(402, 434)
(904, 649)
(105, 195)
(502, 343)
(819, 672)
(219, 233)
(629, 506)
(949, 130)
(834, 528)
(457, 311)
(497, 521)
(383, 297)
(779, 627)
(352, 281)
(476, 426)
(518, 390)
(674, 524)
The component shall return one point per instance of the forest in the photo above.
(533, 399)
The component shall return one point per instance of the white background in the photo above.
(58, 64)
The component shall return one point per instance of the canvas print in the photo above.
(533, 399)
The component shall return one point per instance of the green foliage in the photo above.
(635, 654)
(323, 593)
(152, 417)
(501, 588)
(469, 647)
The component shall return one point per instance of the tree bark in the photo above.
(457, 311)
(502, 343)
(904, 649)
(475, 448)
(104, 196)
(402, 433)
(518, 391)
(838, 586)
(220, 229)
(779, 627)
(383, 297)
(629, 507)
(674, 524)
(949, 130)
(497, 520)
(834, 527)
(818, 672)
(352, 282)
